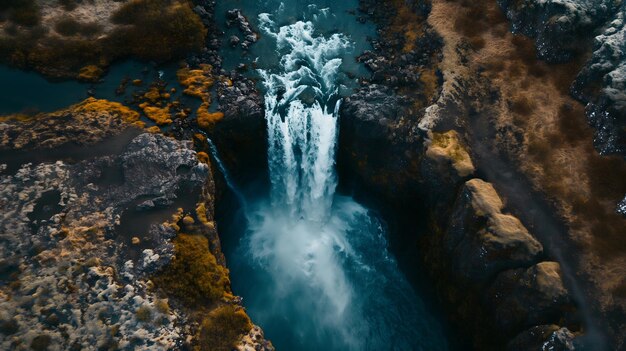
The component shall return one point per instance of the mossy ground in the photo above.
(201, 284)
(158, 30)
(194, 276)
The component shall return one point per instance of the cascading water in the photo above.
(317, 272)
(302, 102)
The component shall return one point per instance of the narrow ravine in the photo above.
(312, 265)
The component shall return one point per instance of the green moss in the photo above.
(194, 276)
(221, 329)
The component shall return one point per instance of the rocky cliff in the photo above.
(115, 247)
(501, 123)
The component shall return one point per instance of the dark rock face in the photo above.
(543, 337)
(492, 272)
(241, 135)
(483, 241)
(525, 297)
(602, 84)
(376, 143)
(557, 25)
(561, 29)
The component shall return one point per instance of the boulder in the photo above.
(522, 298)
(483, 241)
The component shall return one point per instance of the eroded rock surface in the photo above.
(85, 243)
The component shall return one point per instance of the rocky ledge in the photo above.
(116, 249)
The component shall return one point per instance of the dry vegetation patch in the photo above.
(61, 37)
(545, 131)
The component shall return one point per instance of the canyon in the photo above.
(363, 175)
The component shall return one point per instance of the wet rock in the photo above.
(241, 134)
(234, 40)
(543, 337)
(236, 18)
(621, 207)
(521, 298)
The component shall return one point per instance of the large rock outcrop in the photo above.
(89, 243)
(483, 241)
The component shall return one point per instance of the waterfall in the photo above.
(302, 104)
(222, 168)
(315, 264)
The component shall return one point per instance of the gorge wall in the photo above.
(468, 131)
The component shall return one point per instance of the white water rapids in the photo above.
(318, 273)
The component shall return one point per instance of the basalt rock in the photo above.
(241, 134)
(543, 337)
(84, 238)
(61, 223)
(376, 143)
(483, 241)
(602, 84)
(522, 298)
(558, 25)
(561, 28)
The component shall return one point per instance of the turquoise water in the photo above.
(313, 266)
(28, 91)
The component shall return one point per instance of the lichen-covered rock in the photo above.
(64, 227)
(557, 25)
(447, 148)
(602, 84)
(481, 240)
(543, 337)
(84, 241)
(85, 123)
(522, 298)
